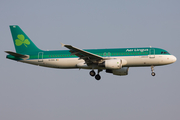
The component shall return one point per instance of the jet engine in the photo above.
(111, 64)
(120, 72)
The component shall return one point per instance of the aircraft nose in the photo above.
(174, 58)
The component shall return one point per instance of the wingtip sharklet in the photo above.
(62, 45)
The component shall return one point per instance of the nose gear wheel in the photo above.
(152, 69)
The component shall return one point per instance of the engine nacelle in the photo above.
(120, 72)
(113, 64)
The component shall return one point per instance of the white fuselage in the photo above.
(127, 61)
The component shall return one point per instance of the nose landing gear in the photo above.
(153, 73)
(152, 69)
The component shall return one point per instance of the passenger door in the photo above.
(40, 57)
(152, 53)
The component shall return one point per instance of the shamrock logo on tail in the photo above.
(21, 40)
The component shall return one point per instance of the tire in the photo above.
(153, 73)
(92, 73)
(98, 77)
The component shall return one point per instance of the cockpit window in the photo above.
(164, 53)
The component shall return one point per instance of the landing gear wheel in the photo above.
(153, 74)
(98, 77)
(152, 69)
(92, 73)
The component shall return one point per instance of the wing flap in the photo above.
(82, 54)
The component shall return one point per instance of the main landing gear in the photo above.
(97, 77)
(152, 69)
(92, 73)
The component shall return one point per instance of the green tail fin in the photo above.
(22, 42)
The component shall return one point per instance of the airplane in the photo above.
(115, 60)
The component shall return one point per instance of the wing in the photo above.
(82, 54)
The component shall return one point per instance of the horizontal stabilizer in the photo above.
(17, 55)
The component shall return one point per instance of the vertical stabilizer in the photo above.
(22, 42)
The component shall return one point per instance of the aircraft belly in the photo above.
(55, 63)
(63, 63)
(34, 62)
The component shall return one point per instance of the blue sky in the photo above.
(32, 92)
